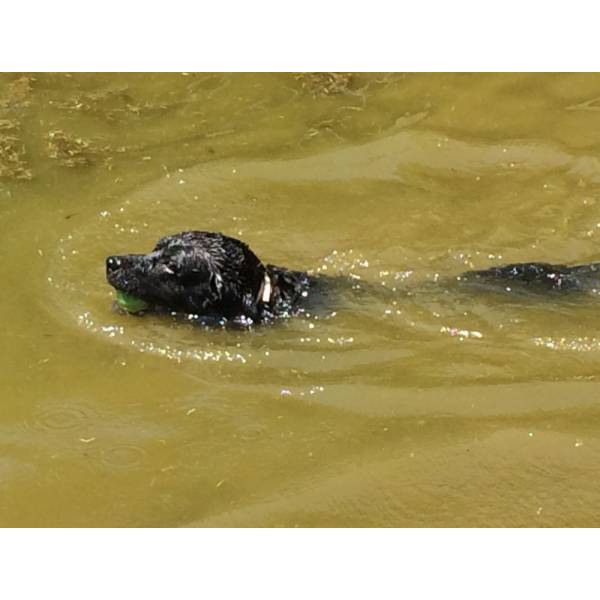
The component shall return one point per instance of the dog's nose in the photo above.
(113, 263)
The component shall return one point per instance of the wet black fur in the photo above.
(540, 277)
(216, 276)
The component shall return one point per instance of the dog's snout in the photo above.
(113, 263)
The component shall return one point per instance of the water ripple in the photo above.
(72, 416)
(122, 456)
(398, 241)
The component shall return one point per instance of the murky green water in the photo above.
(433, 407)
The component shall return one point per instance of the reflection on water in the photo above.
(409, 400)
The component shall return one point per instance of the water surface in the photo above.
(425, 405)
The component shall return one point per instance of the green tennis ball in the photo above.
(130, 303)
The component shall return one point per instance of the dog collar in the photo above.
(266, 290)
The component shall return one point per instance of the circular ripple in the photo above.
(122, 456)
(58, 418)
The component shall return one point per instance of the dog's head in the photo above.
(194, 272)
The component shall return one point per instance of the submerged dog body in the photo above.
(211, 275)
(219, 278)
(540, 277)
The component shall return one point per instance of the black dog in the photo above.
(211, 275)
(219, 278)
